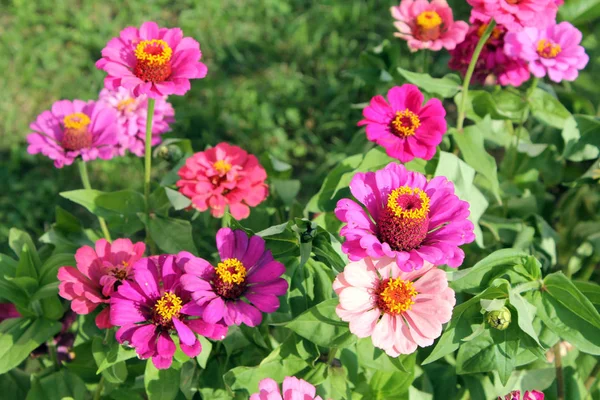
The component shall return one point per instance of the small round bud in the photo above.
(163, 152)
(499, 319)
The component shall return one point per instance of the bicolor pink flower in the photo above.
(426, 25)
(405, 127)
(293, 389)
(132, 114)
(554, 51)
(406, 218)
(8, 310)
(224, 176)
(529, 395)
(399, 310)
(243, 285)
(515, 14)
(97, 275)
(72, 129)
(153, 305)
(153, 61)
(492, 60)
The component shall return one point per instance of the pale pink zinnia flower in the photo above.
(427, 25)
(98, 273)
(222, 176)
(554, 51)
(151, 60)
(399, 310)
(515, 14)
(293, 389)
(529, 395)
(74, 128)
(405, 127)
(132, 114)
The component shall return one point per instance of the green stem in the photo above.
(54, 355)
(148, 170)
(560, 383)
(527, 286)
(98, 391)
(587, 272)
(331, 355)
(465, 88)
(85, 179)
(590, 380)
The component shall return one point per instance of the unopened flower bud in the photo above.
(499, 319)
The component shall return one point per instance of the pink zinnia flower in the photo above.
(553, 51)
(293, 389)
(74, 128)
(8, 310)
(427, 25)
(492, 60)
(404, 127)
(132, 114)
(244, 283)
(516, 395)
(98, 273)
(515, 14)
(222, 176)
(153, 305)
(153, 61)
(399, 310)
(406, 218)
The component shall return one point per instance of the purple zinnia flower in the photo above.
(245, 282)
(153, 305)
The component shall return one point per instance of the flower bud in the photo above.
(499, 319)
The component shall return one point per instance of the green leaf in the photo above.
(286, 189)
(548, 109)
(161, 384)
(281, 240)
(61, 385)
(26, 267)
(444, 87)
(372, 357)
(590, 290)
(171, 235)
(189, 379)
(177, 199)
(19, 336)
(15, 385)
(110, 353)
(501, 105)
(525, 314)
(17, 239)
(563, 290)
(52, 264)
(579, 11)
(202, 358)
(115, 372)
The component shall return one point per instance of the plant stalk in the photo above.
(590, 380)
(98, 391)
(148, 171)
(85, 180)
(560, 382)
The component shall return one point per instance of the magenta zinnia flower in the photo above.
(427, 25)
(553, 51)
(153, 305)
(515, 14)
(404, 127)
(224, 176)
(244, 283)
(407, 218)
(98, 273)
(529, 395)
(74, 128)
(293, 389)
(132, 114)
(399, 310)
(8, 310)
(153, 61)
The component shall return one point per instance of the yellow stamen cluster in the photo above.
(429, 20)
(222, 167)
(231, 270)
(76, 121)
(168, 306)
(399, 125)
(125, 104)
(414, 213)
(142, 53)
(398, 296)
(547, 49)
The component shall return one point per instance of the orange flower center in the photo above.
(153, 60)
(547, 49)
(168, 307)
(230, 280)
(222, 167)
(396, 296)
(405, 123)
(76, 135)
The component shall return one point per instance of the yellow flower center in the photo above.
(153, 52)
(125, 105)
(547, 49)
(406, 202)
(222, 167)
(76, 121)
(429, 20)
(168, 306)
(396, 296)
(405, 123)
(231, 270)
(496, 32)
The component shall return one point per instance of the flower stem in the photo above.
(590, 380)
(465, 88)
(560, 383)
(85, 179)
(148, 170)
(98, 391)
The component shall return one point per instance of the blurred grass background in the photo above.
(283, 78)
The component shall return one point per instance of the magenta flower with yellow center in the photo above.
(292, 389)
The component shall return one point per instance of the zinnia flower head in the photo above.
(407, 218)
(405, 127)
(151, 60)
(529, 395)
(293, 388)
(244, 283)
(153, 305)
(426, 25)
(98, 273)
(221, 176)
(399, 310)
(515, 14)
(132, 114)
(554, 51)
(74, 128)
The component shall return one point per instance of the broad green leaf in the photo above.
(564, 291)
(202, 358)
(499, 105)
(17, 239)
(26, 267)
(281, 240)
(15, 384)
(171, 235)
(114, 372)
(110, 353)
(286, 189)
(52, 264)
(581, 138)
(178, 200)
(548, 109)
(590, 290)
(61, 385)
(525, 314)
(579, 11)
(444, 87)
(372, 357)
(161, 384)
(189, 379)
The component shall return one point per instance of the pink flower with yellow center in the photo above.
(405, 127)
(516, 14)
(407, 218)
(293, 389)
(224, 176)
(97, 275)
(426, 25)
(529, 395)
(153, 61)
(554, 51)
(71, 129)
(399, 310)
